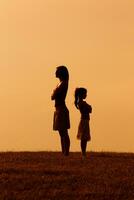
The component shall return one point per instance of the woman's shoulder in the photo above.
(63, 84)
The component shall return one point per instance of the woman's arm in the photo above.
(53, 95)
(59, 90)
(90, 108)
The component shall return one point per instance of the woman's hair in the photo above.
(62, 72)
(79, 93)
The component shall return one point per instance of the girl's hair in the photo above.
(62, 72)
(79, 92)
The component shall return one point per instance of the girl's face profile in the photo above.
(84, 95)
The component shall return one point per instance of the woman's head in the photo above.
(62, 73)
(80, 93)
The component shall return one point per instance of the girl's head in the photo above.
(62, 73)
(80, 93)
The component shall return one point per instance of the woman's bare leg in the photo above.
(65, 142)
(83, 147)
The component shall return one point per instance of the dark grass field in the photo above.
(49, 175)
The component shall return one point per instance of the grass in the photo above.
(51, 176)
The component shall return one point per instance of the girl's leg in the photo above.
(65, 142)
(83, 146)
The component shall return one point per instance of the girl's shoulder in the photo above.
(86, 106)
(84, 103)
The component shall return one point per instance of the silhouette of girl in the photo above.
(85, 110)
(61, 121)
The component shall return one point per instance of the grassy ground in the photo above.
(50, 176)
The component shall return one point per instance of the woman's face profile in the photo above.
(56, 73)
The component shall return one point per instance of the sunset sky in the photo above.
(95, 40)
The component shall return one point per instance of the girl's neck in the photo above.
(81, 100)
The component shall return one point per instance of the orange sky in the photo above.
(95, 40)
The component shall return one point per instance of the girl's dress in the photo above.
(61, 120)
(84, 128)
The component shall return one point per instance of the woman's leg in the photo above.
(65, 142)
(62, 141)
(83, 146)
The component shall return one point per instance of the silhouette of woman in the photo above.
(61, 121)
(85, 110)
